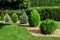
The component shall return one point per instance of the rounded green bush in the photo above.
(33, 17)
(48, 26)
(14, 17)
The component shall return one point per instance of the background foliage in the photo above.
(45, 3)
(14, 4)
(49, 12)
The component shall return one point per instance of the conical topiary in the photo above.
(23, 18)
(7, 18)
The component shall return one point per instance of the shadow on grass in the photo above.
(3, 24)
(24, 25)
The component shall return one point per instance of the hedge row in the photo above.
(49, 13)
(45, 2)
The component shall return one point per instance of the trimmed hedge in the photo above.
(33, 17)
(45, 2)
(48, 27)
(49, 13)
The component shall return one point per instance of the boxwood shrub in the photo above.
(33, 17)
(14, 17)
(48, 26)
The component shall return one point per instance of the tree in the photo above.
(24, 4)
(14, 4)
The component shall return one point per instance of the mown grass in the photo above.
(15, 32)
(43, 7)
(58, 23)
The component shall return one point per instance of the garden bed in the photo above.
(36, 32)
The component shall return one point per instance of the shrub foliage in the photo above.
(48, 26)
(14, 4)
(14, 17)
(45, 2)
(49, 13)
(23, 18)
(7, 18)
(2, 16)
(33, 17)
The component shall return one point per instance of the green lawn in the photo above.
(58, 24)
(16, 32)
(49, 7)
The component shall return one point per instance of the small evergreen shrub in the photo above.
(23, 18)
(48, 26)
(7, 18)
(2, 16)
(33, 17)
(14, 17)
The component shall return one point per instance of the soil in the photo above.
(36, 32)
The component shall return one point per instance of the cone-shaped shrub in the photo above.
(33, 17)
(14, 17)
(23, 18)
(7, 18)
(48, 26)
